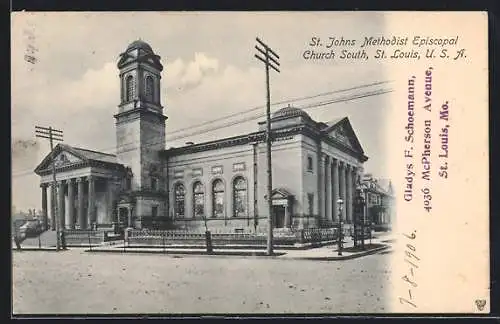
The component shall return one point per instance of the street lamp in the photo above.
(340, 202)
(360, 215)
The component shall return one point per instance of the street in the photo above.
(77, 282)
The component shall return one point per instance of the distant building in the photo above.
(379, 197)
(222, 182)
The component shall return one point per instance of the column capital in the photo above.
(341, 164)
(334, 161)
(90, 177)
(60, 182)
(79, 179)
(44, 185)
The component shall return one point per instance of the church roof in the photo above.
(94, 155)
(290, 112)
(140, 44)
(81, 157)
(145, 54)
(334, 122)
(338, 133)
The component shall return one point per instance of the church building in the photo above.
(220, 183)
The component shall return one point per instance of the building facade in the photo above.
(218, 184)
(379, 197)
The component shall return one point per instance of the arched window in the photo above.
(149, 89)
(199, 199)
(239, 197)
(130, 87)
(218, 198)
(180, 194)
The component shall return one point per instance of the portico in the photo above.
(340, 181)
(85, 189)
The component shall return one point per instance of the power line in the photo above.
(243, 120)
(306, 107)
(274, 104)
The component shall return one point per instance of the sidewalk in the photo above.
(323, 253)
(380, 242)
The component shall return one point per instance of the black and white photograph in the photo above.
(248, 163)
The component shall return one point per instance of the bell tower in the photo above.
(140, 126)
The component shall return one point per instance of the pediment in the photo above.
(343, 132)
(280, 194)
(62, 155)
(341, 135)
(65, 157)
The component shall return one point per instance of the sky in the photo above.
(209, 72)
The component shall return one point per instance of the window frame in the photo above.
(149, 94)
(129, 88)
(176, 201)
(195, 194)
(235, 192)
(214, 195)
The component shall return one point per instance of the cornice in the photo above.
(83, 164)
(303, 129)
(139, 112)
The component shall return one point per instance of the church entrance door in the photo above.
(123, 216)
(279, 216)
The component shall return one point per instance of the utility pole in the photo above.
(270, 60)
(53, 135)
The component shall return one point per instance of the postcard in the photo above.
(250, 163)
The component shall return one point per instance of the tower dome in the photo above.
(140, 44)
(290, 112)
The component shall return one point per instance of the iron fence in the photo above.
(152, 237)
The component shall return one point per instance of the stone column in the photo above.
(109, 200)
(327, 198)
(335, 189)
(343, 189)
(129, 210)
(349, 194)
(81, 216)
(44, 206)
(331, 211)
(53, 202)
(91, 207)
(287, 217)
(60, 205)
(320, 177)
(71, 204)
